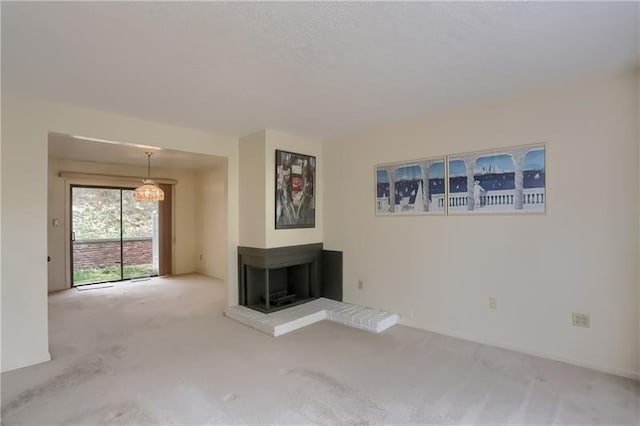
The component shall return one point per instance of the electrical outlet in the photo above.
(360, 284)
(580, 320)
(493, 303)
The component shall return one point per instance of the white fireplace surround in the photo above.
(294, 318)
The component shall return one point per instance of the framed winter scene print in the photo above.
(295, 190)
(505, 180)
(410, 187)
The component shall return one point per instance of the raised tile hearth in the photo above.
(296, 317)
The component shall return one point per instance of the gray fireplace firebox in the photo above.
(281, 277)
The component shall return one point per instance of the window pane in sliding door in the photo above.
(95, 235)
(139, 236)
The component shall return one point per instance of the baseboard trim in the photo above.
(528, 351)
(28, 363)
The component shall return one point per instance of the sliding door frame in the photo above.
(71, 239)
(106, 181)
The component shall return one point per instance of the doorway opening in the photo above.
(113, 236)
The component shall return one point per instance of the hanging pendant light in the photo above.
(149, 191)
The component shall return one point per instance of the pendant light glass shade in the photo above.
(149, 191)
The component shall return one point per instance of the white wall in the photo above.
(211, 222)
(582, 256)
(252, 191)
(185, 229)
(638, 139)
(25, 126)
(257, 190)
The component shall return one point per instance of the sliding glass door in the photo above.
(114, 237)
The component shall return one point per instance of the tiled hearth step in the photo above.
(287, 320)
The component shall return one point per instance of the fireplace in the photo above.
(282, 287)
(277, 278)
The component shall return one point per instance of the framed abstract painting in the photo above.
(295, 190)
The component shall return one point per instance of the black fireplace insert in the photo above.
(277, 278)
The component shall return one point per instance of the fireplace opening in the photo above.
(269, 290)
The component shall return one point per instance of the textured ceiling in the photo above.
(317, 69)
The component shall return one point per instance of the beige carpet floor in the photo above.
(161, 352)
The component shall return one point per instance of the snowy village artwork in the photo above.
(411, 187)
(508, 180)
